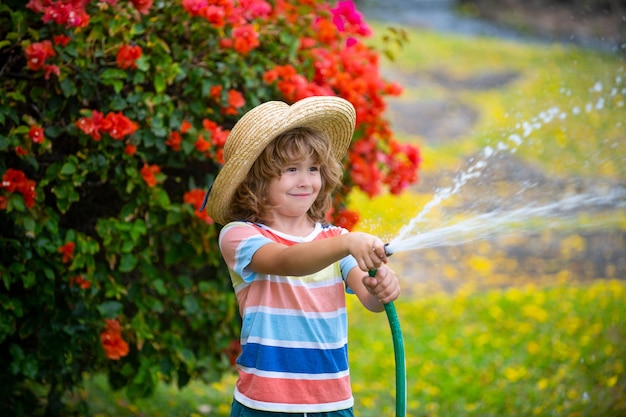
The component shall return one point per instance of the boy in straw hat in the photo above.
(289, 268)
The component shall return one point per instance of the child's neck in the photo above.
(294, 227)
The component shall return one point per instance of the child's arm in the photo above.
(309, 257)
(373, 292)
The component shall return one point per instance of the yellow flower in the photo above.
(542, 384)
(533, 347)
(611, 381)
(535, 312)
(515, 373)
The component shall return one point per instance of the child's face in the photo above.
(294, 192)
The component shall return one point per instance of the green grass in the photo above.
(526, 351)
(521, 352)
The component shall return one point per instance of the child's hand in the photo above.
(384, 286)
(368, 250)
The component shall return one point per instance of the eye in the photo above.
(314, 168)
(291, 169)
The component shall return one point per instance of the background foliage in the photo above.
(114, 115)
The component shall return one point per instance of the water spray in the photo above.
(398, 350)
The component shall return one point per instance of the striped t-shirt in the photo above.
(294, 334)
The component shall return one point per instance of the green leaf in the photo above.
(113, 73)
(159, 286)
(159, 83)
(68, 87)
(190, 304)
(128, 262)
(29, 279)
(54, 132)
(69, 168)
(161, 197)
(110, 309)
(29, 224)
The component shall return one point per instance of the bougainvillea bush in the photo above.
(113, 118)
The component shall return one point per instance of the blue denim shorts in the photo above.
(240, 410)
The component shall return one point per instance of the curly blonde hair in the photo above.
(250, 199)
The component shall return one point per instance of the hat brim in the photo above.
(261, 125)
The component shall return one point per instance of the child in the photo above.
(289, 268)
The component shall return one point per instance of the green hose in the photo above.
(398, 351)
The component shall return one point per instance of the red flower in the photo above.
(174, 140)
(347, 219)
(148, 173)
(185, 126)
(218, 136)
(245, 39)
(67, 251)
(216, 92)
(12, 178)
(15, 180)
(216, 15)
(91, 125)
(20, 151)
(3, 202)
(51, 69)
(80, 281)
(118, 126)
(36, 6)
(226, 43)
(127, 55)
(202, 145)
(115, 347)
(219, 156)
(195, 198)
(68, 13)
(61, 40)
(37, 53)
(403, 163)
(142, 6)
(195, 7)
(36, 134)
(130, 149)
(235, 101)
(326, 31)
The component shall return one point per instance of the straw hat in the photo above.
(257, 128)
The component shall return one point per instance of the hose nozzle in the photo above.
(387, 251)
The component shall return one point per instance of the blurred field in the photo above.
(521, 352)
(530, 325)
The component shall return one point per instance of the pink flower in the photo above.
(347, 19)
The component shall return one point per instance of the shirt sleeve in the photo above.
(238, 243)
(346, 265)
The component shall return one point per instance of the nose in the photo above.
(304, 180)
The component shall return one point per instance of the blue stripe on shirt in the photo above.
(293, 360)
(295, 328)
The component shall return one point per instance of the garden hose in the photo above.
(398, 351)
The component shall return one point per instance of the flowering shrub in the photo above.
(114, 115)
